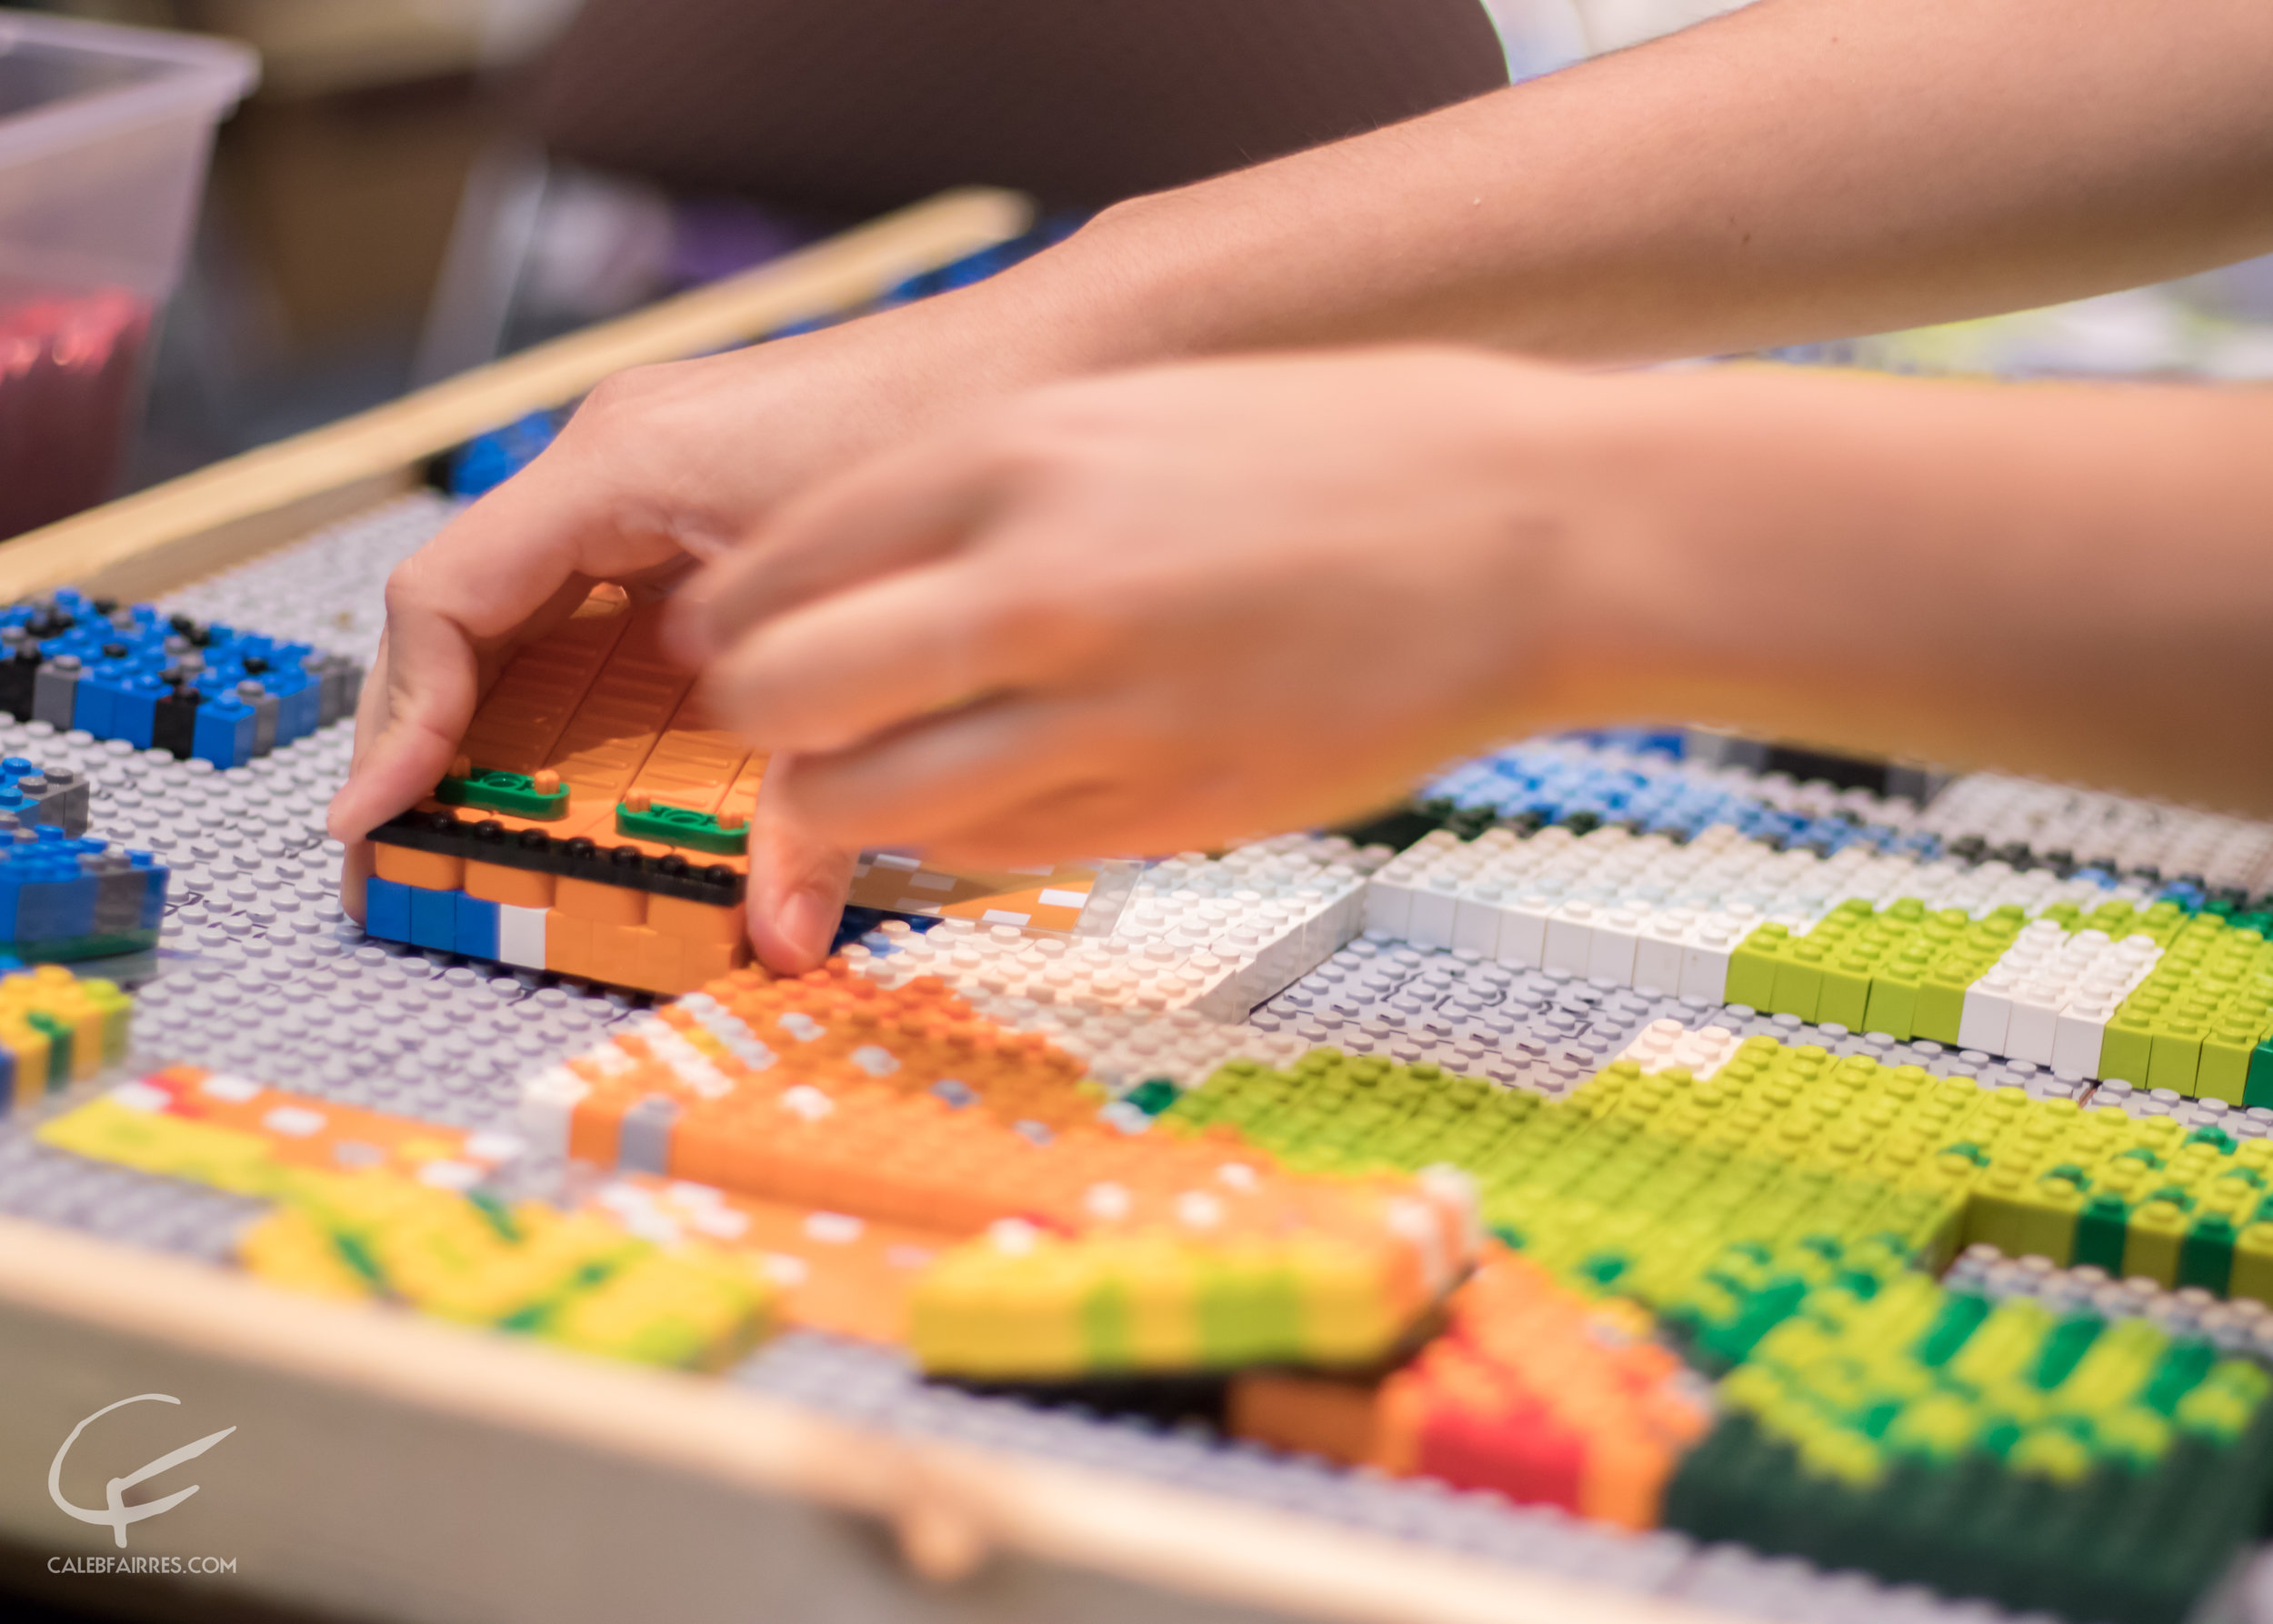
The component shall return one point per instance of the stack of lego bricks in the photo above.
(201, 691)
(64, 895)
(371, 1207)
(596, 823)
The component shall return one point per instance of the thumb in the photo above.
(798, 887)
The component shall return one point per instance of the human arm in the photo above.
(1170, 608)
(1800, 169)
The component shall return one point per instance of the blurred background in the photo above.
(415, 186)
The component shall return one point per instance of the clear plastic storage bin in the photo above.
(104, 134)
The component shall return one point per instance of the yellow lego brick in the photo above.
(695, 1309)
(153, 1142)
(27, 1048)
(290, 1250)
(2152, 1239)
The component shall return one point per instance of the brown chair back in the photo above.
(851, 107)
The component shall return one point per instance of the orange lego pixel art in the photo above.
(895, 1104)
(596, 823)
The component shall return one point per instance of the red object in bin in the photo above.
(70, 367)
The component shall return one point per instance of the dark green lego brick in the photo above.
(681, 826)
(1153, 1096)
(2259, 1089)
(58, 1035)
(70, 949)
(512, 793)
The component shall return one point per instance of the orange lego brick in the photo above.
(695, 921)
(635, 956)
(695, 762)
(1335, 1418)
(707, 961)
(599, 904)
(568, 945)
(834, 1272)
(429, 871)
(623, 712)
(515, 887)
(521, 717)
(742, 798)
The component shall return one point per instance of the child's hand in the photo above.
(660, 468)
(1169, 609)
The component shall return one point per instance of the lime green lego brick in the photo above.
(512, 793)
(2173, 1056)
(1939, 1006)
(1798, 985)
(681, 826)
(1846, 996)
(2125, 1046)
(2223, 1073)
(1752, 967)
(1893, 1007)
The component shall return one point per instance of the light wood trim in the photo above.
(697, 1429)
(159, 538)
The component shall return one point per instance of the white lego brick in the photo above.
(1389, 902)
(548, 1106)
(1705, 963)
(1569, 938)
(1986, 1016)
(1523, 932)
(1435, 902)
(521, 936)
(2078, 1034)
(1476, 922)
(1610, 951)
(1657, 958)
(2032, 1028)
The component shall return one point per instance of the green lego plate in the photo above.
(513, 793)
(681, 826)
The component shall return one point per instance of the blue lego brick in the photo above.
(55, 900)
(386, 910)
(487, 461)
(129, 659)
(477, 933)
(223, 733)
(158, 877)
(433, 918)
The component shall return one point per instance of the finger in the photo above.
(889, 514)
(527, 550)
(798, 887)
(824, 677)
(948, 773)
(1080, 821)
(354, 871)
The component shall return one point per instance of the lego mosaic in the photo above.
(1656, 1170)
(1835, 1193)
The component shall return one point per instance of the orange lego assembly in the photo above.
(595, 824)
(1082, 1247)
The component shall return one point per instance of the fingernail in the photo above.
(807, 924)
